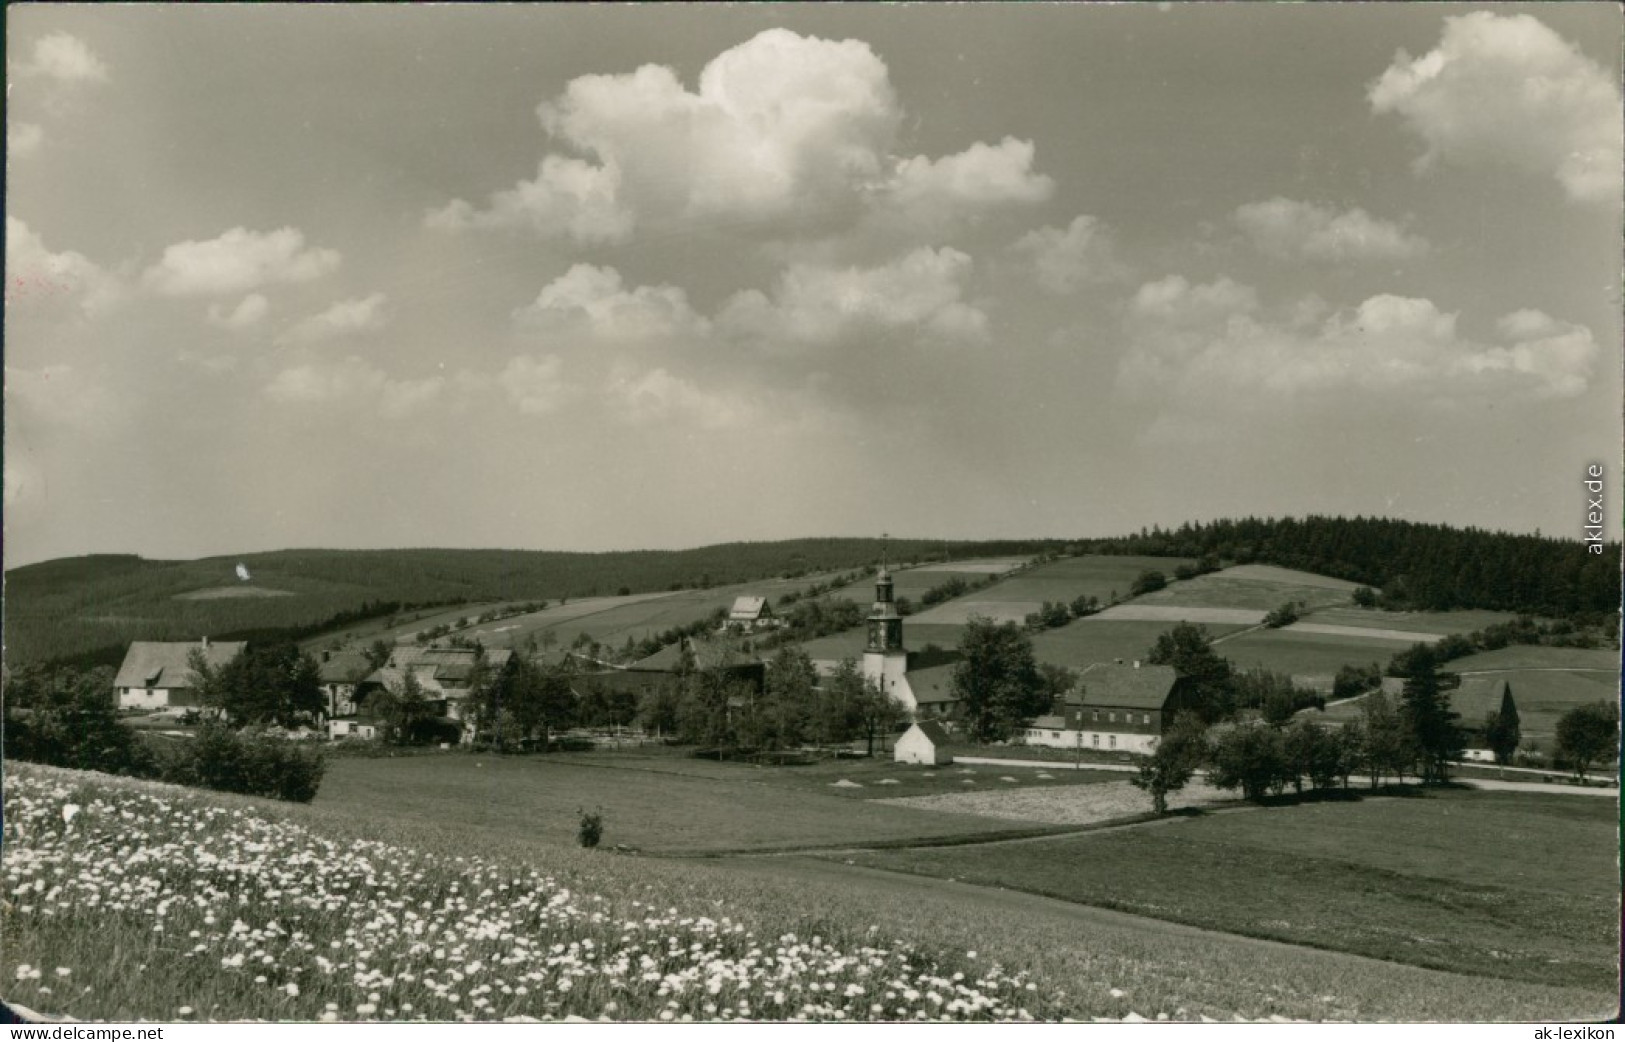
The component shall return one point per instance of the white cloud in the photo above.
(657, 396)
(353, 383)
(980, 177)
(36, 276)
(66, 59)
(1067, 260)
(567, 196)
(536, 384)
(595, 299)
(920, 293)
(238, 261)
(1508, 89)
(343, 318)
(23, 139)
(1213, 344)
(249, 312)
(782, 131)
(1293, 230)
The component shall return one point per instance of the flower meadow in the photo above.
(131, 900)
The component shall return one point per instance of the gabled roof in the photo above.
(1478, 697)
(933, 686)
(152, 663)
(1133, 687)
(933, 730)
(343, 666)
(748, 609)
(708, 653)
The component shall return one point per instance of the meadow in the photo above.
(1064, 580)
(1086, 641)
(1312, 658)
(1259, 587)
(649, 803)
(1459, 880)
(1439, 623)
(132, 900)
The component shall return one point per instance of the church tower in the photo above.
(884, 660)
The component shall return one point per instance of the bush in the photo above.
(1147, 582)
(248, 762)
(590, 829)
(1285, 615)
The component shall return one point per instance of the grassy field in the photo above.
(648, 803)
(1440, 623)
(1313, 657)
(1064, 580)
(1086, 641)
(531, 928)
(1543, 696)
(1469, 881)
(1532, 656)
(1252, 586)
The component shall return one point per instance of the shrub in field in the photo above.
(1250, 758)
(249, 762)
(590, 829)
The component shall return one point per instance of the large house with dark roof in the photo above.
(1124, 707)
(159, 675)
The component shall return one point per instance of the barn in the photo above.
(158, 674)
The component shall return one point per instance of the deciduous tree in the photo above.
(997, 679)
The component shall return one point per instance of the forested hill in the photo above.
(1429, 567)
(90, 608)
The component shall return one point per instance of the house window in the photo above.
(1095, 740)
(1111, 717)
(1114, 741)
(1097, 716)
(1055, 734)
(1145, 718)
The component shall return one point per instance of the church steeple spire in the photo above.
(885, 622)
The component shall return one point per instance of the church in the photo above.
(922, 682)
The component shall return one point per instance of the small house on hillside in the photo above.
(340, 672)
(444, 677)
(751, 613)
(158, 674)
(924, 743)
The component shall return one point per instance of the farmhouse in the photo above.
(444, 676)
(1116, 706)
(749, 614)
(340, 672)
(924, 744)
(158, 674)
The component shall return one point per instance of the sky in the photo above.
(607, 277)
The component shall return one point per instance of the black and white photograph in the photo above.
(845, 513)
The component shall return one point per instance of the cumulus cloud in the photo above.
(36, 276)
(23, 139)
(1213, 342)
(536, 384)
(238, 261)
(594, 299)
(249, 312)
(980, 176)
(1507, 89)
(657, 395)
(1069, 259)
(1293, 230)
(568, 196)
(782, 131)
(64, 58)
(921, 292)
(343, 318)
(353, 383)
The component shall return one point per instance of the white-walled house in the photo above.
(923, 743)
(158, 674)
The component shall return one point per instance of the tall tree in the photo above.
(1502, 735)
(1189, 650)
(264, 684)
(1387, 745)
(997, 679)
(1588, 734)
(1180, 751)
(1429, 720)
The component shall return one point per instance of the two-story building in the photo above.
(159, 675)
(1117, 706)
